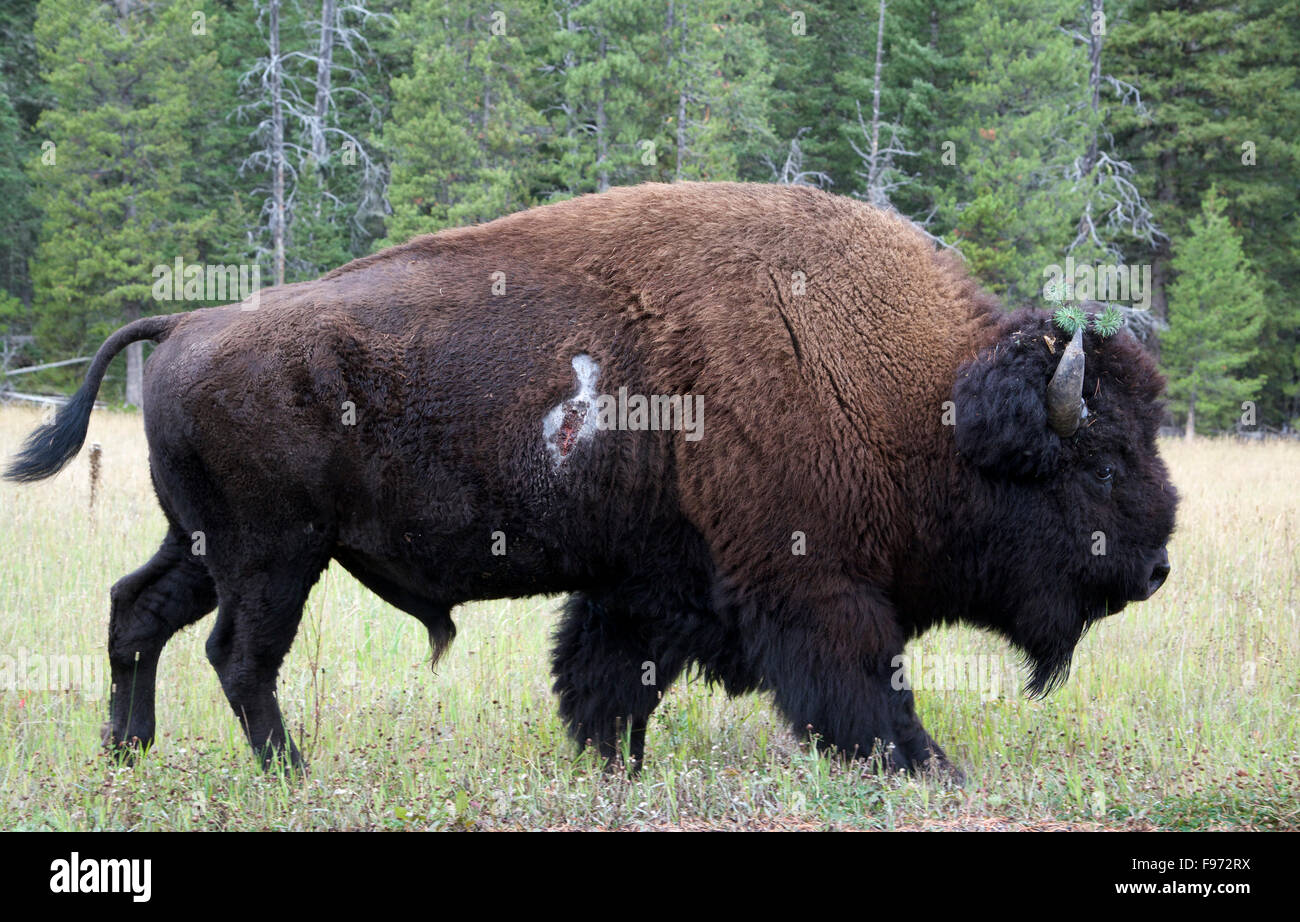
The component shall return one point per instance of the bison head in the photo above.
(1062, 484)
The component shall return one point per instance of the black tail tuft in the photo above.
(54, 444)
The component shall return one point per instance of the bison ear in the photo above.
(1001, 412)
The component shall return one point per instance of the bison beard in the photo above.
(886, 451)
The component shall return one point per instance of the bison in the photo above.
(851, 443)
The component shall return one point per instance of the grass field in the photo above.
(1183, 712)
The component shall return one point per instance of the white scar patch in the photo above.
(573, 420)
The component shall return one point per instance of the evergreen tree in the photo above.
(227, 198)
(1221, 90)
(924, 42)
(22, 98)
(18, 217)
(718, 81)
(1215, 315)
(606, 96)
(463, 136)
(318, 228)
(1016, 128)
(822, 54)
(1262, 182)
(131, 82)
(1013, 209)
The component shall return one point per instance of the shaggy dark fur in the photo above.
(825, 339)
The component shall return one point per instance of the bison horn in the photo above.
(1065, 406)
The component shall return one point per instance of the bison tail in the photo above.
(54, 444)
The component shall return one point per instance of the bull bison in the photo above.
(876, 448)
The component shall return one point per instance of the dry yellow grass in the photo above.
(1181, 712)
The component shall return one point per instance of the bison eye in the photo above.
(1104, 473)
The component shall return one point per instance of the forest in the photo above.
(1143, 154)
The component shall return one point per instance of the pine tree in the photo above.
(718, 81)
(1261, 180)
(112, 185)
(318, 228)
(17, 216)
(1222, 101)
(822, 53)
(924, 42)
(232, 232)
(606, 98)
(22, 97)
(1013, 208)
(1215, 316)
(462, 136)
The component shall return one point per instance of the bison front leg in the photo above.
(920, 751)
(610, 672)
(854, 709)
(171, 591)
(836, 678)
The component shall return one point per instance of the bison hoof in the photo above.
(278, 761)
(942, 771)
(124, 752)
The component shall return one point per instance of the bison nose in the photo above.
(1159, 572)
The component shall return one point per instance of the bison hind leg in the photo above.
(168, 593)
(261, 590)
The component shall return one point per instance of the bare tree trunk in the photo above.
(875, 194)
(134, 351)
(277, 145)
(683, 139)
(1094, 84)
(135, 374)
(1167, 192)
(681, 90)
(1095, 36)
(320, 108)
(881, 176)
(602, 129)
(324, 69)
(1190, 432)
(297, 124)
(1089, 161)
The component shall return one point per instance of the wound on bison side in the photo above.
(573, 420)
(575, 413)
